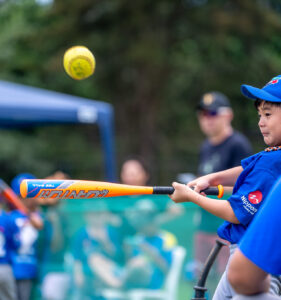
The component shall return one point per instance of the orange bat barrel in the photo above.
(83, 189)
(78, 189)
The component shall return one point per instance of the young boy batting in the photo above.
(252, 180)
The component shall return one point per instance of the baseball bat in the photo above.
(83, 189)
(11, 197)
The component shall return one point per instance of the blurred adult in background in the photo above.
(222, 149)
(134, 171)
(148, 254)
(95, 248)
(25, 258)
(149, 251)
(148, 248)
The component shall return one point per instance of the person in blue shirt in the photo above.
(95, 247)
(259, 252)
(252, 180)
(149, 251)
(24, 259)
(8, 242)
(148, 255)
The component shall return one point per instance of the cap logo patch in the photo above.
(255, 197)
(208, 99)
(274, 80)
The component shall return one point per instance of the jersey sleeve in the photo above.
(251, 195)
(261, 243)
(246, 161)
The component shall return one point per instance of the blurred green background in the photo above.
(154, 61)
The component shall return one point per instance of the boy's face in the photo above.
(270, 123)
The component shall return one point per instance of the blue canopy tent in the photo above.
(24, 106)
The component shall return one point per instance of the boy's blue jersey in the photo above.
(260, 172)
(261, 243)
(8, 237)
(24, 259)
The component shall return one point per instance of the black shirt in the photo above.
(223, 156)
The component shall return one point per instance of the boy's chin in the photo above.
(271, 144)
(268, 142)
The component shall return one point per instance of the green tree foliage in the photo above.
(154, 61)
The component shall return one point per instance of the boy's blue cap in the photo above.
(270, 92)
(16, 181)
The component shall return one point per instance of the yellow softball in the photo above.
(79, 62)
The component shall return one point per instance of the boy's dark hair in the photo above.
(258, 103)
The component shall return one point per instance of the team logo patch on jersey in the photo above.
(255, 197)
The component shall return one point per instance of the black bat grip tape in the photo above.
(168, 190)
(212, 191)
(163, 190)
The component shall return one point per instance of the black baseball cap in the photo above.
(213, 101)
